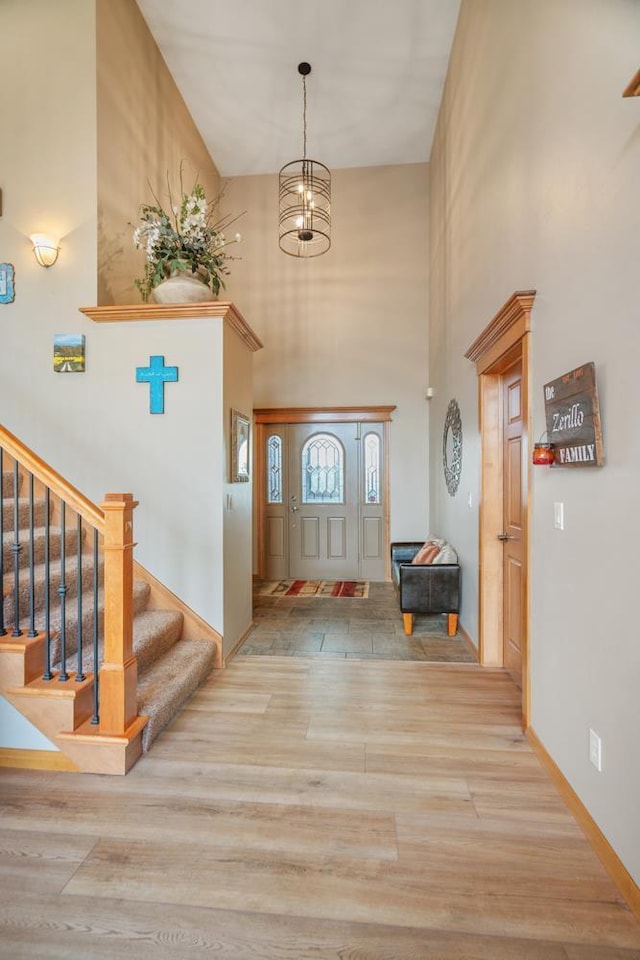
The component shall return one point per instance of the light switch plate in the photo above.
(558, 516)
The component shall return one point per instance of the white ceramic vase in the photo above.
(181, 288)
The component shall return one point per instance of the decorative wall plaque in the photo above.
(452, 447)
(68, 352)
(572, 413)
(156, 375)
(7, 287)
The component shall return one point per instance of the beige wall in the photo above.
(237, 500)
(145, 133)
(95, 427)
(349, 327)
(48, 181)
(534, 184)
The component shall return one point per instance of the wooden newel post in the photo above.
(119, 672)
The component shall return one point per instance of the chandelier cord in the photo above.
(304, 117)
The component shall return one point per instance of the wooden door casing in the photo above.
(513, 581)
(504, 341)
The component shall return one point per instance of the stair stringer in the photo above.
(194, 627)
(62, 711)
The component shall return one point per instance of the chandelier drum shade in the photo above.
(304, 198)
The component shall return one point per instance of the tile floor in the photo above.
(365, 629)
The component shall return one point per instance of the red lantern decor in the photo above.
(543, 454)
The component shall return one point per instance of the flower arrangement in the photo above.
(189, 239)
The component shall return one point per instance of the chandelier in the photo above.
(304, 198)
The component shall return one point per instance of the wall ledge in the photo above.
(212, 309)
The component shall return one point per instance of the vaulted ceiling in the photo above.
(378, 69)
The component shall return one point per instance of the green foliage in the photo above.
(188, 239)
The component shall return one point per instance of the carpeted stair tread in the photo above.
(170, 681)
(141, 591)
(39, 580)
(39, 545)
(8, 514)
(154, 633)
(7, 483)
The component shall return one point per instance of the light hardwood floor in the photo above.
(312, 808)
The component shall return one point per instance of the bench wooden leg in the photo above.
(452, 624)
(408, 623)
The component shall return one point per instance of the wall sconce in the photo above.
(45, 249)
(543, 453)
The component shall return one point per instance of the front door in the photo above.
(324, 492)
(323, 501)
(512, 527)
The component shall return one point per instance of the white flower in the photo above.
(187, 234)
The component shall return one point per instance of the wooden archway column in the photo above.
(504, 341)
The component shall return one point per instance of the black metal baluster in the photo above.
(48, 675)
(95, 719)
(32, 579)
(80, 676)
(16, 549)
(62, 592)
(3, 631)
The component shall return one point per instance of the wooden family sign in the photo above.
(573, 418)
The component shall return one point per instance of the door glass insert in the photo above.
(274, 469)
(372, 468)
(322, 463)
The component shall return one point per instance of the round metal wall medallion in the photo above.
(452, 447)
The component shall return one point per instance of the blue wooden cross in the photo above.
(156, 375)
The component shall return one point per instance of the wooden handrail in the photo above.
(47, 475)
(114, 522)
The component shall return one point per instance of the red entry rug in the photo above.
(356, 589)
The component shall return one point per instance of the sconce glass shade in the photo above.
(543, 454)
(45, 249)
(305, 208)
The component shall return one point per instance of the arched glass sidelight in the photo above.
(322, 465)
(372, 468)
(274, 468)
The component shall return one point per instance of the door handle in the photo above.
(505, 536)
(294, 509)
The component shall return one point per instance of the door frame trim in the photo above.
(504, 341)
(263, 416)
(380, 414)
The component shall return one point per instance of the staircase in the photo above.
(52, 653)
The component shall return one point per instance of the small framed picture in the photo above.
(239, 447)
(7, 287)
(68, 353)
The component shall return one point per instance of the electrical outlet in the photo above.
(595, 750)
(558, 516)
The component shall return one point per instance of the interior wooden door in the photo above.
(323, 501)
(512, 534)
